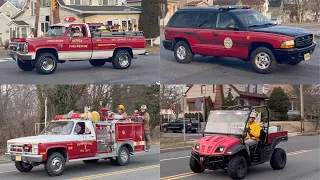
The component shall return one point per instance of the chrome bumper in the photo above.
(24, 57)
(25, 157)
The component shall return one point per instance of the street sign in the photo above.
(197, 104)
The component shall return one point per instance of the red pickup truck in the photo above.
(73, 42)
(238, 32)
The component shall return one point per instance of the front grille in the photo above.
(20, 148)
(303, 41)
(21, 47)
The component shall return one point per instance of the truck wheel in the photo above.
(182, 52)
(263, 60)
(294, 62)
(23, 167)
(121, 59)
(91, 161)
(194, 165)
(46, 63)
(55, 164)
(123, 157)
(278, 159)
(97, 63)
(26, 65)
(237, 167)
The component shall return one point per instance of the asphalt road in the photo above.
(143, 70)
(221, 70)
(142, 167)
(303, 163)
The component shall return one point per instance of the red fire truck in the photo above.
(71, 41)
(85, 137)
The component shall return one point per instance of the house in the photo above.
(197, 4)
(7, 9)
(107, 12)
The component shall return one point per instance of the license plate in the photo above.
(18, 158)
(306, 56)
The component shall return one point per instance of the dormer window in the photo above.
(77, 2)
(106, 2)
(100, 2)
(71, 1)
(111, 2)
(90, 2)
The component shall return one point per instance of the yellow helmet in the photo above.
(121, 106)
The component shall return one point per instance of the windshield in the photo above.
(55, 31)
(252, 18)
(58, 128)
(226, 122)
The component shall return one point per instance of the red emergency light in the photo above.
(69, 19)
(75, 115)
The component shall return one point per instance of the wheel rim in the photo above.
(181, 52)
(123, 60)
(56, 164)
(262, 60)
(124, 156)
(47, 64)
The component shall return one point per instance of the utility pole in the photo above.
(45, 112)
(302, 108)
(36, 25)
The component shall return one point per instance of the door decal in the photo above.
(228, 43)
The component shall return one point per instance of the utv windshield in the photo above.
(251, 18)
(56, 31)
(58, 128)
(226, 122)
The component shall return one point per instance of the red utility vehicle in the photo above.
(238, 32)
(60, 142)
(75, 42)
(223, 146)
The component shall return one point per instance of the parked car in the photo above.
(277, 21)
(177, 125)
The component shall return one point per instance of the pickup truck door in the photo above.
(89, 140)
(80, 44)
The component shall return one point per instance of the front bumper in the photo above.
(25, 157)
(295, 54)
(168, 44)
(18, 56)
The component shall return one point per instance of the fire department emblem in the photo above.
(123, 132)
(228, 43)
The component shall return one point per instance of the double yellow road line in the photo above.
(184, 175)
(116, 172)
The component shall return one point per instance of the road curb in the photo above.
(175, 149)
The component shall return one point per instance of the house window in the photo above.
(111, 2)
(242, 102)
(90, 2)
(45, 25)
(71, 1)
(33, 8)
(100, 2)
(109, 23)
(24, 32)
(203, 89)
(105, 2)
(255, 88)
(246, 88)
(117, 2)
(44, 3)
(214, 88)
(77, 2)
(85, 2)
(8, 13)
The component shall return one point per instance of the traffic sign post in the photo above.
(198, 106)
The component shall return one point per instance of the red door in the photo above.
(138, 138)
(232, 42)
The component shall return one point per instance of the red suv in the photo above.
(237, 32)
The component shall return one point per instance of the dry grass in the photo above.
(295, 126)
(166, 142)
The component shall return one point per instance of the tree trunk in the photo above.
(41, 103)
(36, 25)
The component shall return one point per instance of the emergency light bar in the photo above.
(226, 8)
(69, 19)
(93, 116)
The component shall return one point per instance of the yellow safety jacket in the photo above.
(254, 131)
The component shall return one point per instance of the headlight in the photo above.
(197, 146)
(287, 44)
(314, 40)
(35, 148)
(8, 147)
(26, 47)
(220, 149)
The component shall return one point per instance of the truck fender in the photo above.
(275, 142)
(129, 145)
(60, 149)
(235, 149)
(52, 50)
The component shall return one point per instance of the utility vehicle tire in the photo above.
(55, 164)
(237, 167)
(195, 166)
(278, 159)
(294, 62)
(123, 157)
(182, 52)
(46, 63)
(97, 63)
(121, 59)
(263, 60)
(23, 167)
(91, 161)
(26, 65)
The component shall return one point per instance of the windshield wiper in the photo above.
(203, 23)
(259, 25)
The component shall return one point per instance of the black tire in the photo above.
(189, 55)
(91, 161)
(119, 160)
(23, 167)
(278, 159)
(273, 62)
(39, 63)
(26, 65)
(195, 166)
(97, 63)
(294, 62)
(54, 158)
(237, 167)
(165, 129)
(118, 54)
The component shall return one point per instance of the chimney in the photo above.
(219, 96)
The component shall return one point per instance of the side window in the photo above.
(226, 21)
(77, 31)
(205, 20)
(181, 19)
(80, 128)
(88, 127)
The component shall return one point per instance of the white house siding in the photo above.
(4, 31)
(68, 13)
(93, 2)
(8, 9)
